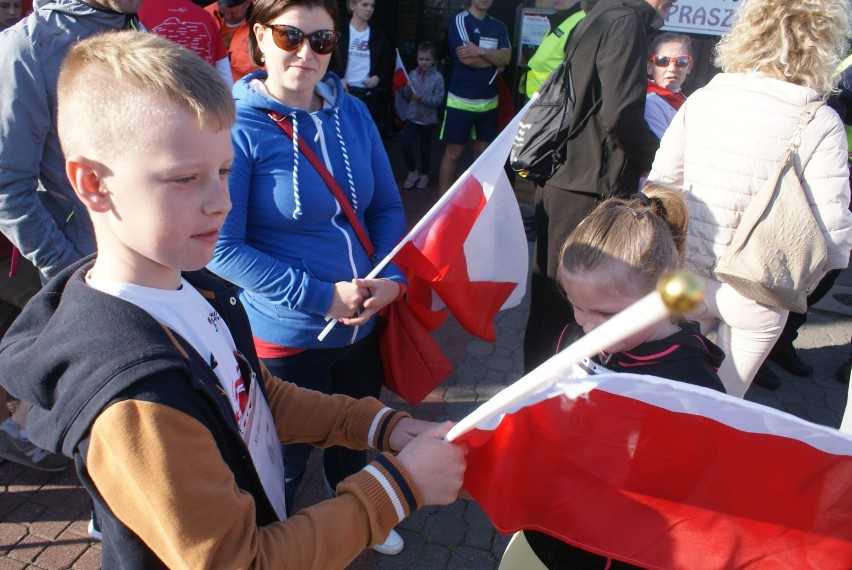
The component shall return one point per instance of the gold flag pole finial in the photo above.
(681, 291)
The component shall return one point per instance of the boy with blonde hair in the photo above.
(140, 364)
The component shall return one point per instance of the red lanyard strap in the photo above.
(332, 184)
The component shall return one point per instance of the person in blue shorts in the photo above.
(480, 50)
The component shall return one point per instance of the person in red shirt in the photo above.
(231, 17)
(188, 25)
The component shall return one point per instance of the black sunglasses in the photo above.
(680, 61)
(290, 38)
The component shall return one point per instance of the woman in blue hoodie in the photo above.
(286, 242)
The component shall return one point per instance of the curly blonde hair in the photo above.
(798, 41)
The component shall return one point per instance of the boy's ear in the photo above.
(83, 173)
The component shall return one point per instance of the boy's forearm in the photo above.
(163, 476)
(307, 416)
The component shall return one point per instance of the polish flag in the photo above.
(398, 82)
(469, 254)
(663, 474)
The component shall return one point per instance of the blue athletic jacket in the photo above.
(286, 241)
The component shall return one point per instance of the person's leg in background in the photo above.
(359, 374)
(15, 291)
(425, 133)
(409, 132)
(557, 213)
(308, 369)
(747, 332)
(354, 370)
(449, 164)
(484, 131)
(784, 353)
(456, 130)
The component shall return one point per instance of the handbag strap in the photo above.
(329, 180)
(805, 117)
(761, 201)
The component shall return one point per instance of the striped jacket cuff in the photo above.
(388, 491)
(382, 426)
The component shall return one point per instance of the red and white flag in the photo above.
(398, 82)
(663, 474)
(469, 253)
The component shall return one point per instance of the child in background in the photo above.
(424, 92)
(140, 364)
(668, 66)
(612, 259)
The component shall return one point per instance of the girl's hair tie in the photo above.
(642, 199)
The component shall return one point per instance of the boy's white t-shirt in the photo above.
(186, 312)
(358, 62)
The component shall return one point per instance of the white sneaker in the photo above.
(15, 446)
(94, 532)
(411, 180)
(393, 544)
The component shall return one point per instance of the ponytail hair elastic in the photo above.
(641, 198)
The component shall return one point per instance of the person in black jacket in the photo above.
(365, 61)
(605, 158)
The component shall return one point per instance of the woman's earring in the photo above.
(263, 59)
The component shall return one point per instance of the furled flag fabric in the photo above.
(663, 474)
(399, 80)
(472, 255)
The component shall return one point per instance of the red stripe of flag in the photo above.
(667, 486)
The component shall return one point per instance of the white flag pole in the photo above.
(503, 139)
(676, 294)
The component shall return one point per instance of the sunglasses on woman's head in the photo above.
(680, 61)
(290, 38)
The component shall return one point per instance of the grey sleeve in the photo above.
(26, 115)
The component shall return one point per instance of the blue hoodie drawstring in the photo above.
(354, 198)
(297, 212)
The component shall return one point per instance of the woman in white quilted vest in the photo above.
(729, 137)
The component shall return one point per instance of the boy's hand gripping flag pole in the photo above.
(675, 294)
(493, 157)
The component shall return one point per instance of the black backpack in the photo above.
(540, 145)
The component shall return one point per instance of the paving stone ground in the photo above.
(43, 516)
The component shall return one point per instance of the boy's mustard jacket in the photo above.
(156, 445)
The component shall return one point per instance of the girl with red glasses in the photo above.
(668, 66)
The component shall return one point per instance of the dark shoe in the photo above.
(766, 378)
(786, 357)
(844, 371)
